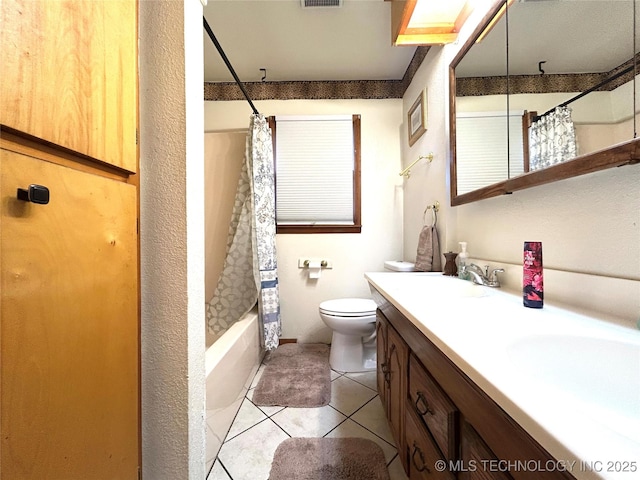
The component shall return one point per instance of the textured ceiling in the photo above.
(353, 42)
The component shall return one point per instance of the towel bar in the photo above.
(407, 171)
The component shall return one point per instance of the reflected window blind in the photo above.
(481, 148)
(314, 170)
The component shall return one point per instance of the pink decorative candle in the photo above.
(532, 286)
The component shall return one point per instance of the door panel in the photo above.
(68, 325)
(398, 358)
(69, 75)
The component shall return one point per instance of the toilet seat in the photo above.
(349, 307)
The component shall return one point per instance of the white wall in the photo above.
(428, 182)
(351, 254)
(589, 225)
(171, 238)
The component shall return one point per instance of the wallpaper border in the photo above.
(332, 90)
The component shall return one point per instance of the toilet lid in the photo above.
(349, 307)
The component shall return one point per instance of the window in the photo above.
(484, 153)
(317, 165)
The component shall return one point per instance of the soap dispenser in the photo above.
(463, 258)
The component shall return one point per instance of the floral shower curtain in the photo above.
(552, 139)
(250, 272)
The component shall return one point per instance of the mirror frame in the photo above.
(626, 153)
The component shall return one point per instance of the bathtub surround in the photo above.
(334, 458)
(237, 289)
(295, 375)
(250, 271)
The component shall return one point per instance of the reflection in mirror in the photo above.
(586, 45)
(579, 55)
(481, 111)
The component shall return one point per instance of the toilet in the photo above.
(353, 344)
(353, 322)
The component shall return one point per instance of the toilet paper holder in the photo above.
(305, 262)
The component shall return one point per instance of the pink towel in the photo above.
(428, 256)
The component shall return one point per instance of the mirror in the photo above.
(481, 112)
(536, 56)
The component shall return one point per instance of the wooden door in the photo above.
(69, 75)
(69, 329)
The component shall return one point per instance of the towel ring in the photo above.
(434, 210)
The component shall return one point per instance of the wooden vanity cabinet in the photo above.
(381, 357)
(478, 461)
(422, 452)
(433, 407)
(393, 368)
(444, 415)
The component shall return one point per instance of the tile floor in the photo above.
(355, 410)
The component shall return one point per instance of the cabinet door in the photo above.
(69, 75)
(478, 461)
(424, 459)
(68, 325)
(434, 408)
(398, 357)
(381, 359)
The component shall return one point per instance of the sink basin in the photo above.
(599, 376)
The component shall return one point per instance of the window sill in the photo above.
(318, 228)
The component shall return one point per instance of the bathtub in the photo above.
(230, 363)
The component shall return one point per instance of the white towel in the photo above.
(428, 256)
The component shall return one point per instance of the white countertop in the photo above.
(571, 380)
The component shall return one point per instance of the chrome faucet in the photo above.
(483, 277)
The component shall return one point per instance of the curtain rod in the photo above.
(596, 87)
(229, 66)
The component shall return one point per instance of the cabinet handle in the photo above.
(384, 367)
(424, 402)
(422, 467)
(34, 194)
(387, 372)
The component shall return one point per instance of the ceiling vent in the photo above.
(320, 3)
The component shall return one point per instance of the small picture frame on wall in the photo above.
(417, 118)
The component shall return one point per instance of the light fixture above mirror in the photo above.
(427, 22)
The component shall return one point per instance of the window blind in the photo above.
(481, 149)
(314, 170)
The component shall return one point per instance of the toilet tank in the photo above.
(399, 266)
